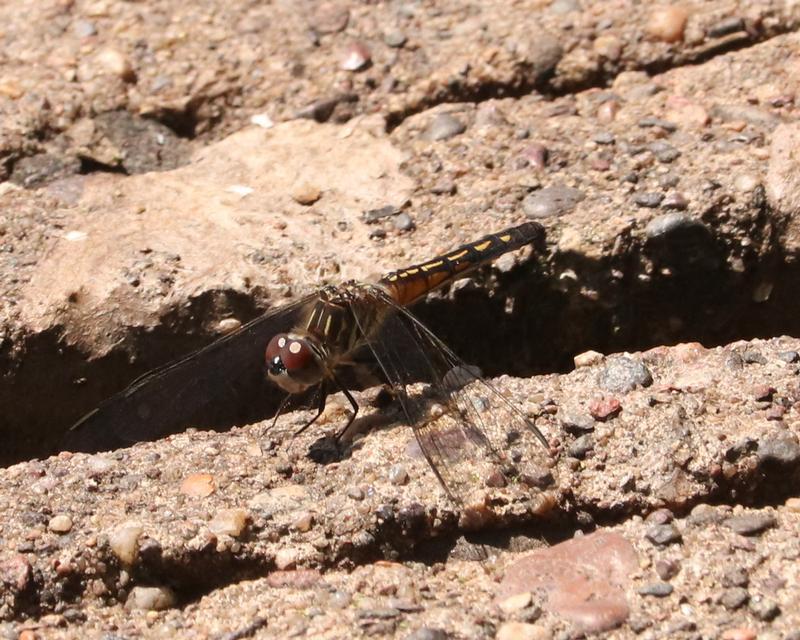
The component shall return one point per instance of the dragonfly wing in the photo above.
(464, 426)
(217, 386)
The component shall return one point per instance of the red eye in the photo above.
(296, 355)
(285, 353)
(274, 347)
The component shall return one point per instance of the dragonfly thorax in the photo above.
(294, 361)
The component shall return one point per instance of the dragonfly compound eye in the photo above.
(287, 354)
(296, 355)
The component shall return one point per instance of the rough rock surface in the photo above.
(171, 171)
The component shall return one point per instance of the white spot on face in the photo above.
(295, 347)
(281, 342)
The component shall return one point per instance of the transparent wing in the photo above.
(218, 386)
(470, 434)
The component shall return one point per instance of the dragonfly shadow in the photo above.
(330, 448)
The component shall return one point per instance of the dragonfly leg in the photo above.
(323, 397)
(353, 404)
(278, 413)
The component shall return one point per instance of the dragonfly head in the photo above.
(293, 362)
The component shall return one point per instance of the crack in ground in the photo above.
(600, 79)
(713, 303)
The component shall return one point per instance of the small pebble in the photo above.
(394, 38)
(648, 199)
(604, 137)
(675, 200)
(607, 46)
(607, 112)
(150, 599)
(355, 493)
(230, 522)
(587, 359)
(522, 631)
(330, 17)
(663, 534)
(667, 23)
(764, 608)
(751, 524)
(783, 451)
(356, 57)
(262, 120)
(536, 155)
(651, 122)
(664, 153)
(427, 633)
(660, 516)
(60, 524)
(403, 222)
(541, 479)
(99, 465)
(495, 479)
(726, 26)
(672, 226)
(303, 522)
(734, 598)
(789, 356)
(443, 127)
(751, 356)
(84, 29)
(198, 485)
(228, 325)
(581, 447)
(622, 374)
(551, 201)
(577, 423)
(444, 186)
(124, 542)
(740, 633)
(516, 602)
(339, 600)
(605, 408)
(763, 392)
(656, 589)
(667, 569)
(304, 192)
(735, 577)
(286, 558)
(398, 475)
(116, 63)
(563, 7)
(745, 183)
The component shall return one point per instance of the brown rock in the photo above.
(198, 485)
(584, 578)
(667, 23)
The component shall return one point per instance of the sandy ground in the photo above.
(172, 171)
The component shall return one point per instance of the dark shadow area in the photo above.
(528, 322)
(90, 165)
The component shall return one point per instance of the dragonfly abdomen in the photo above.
(408, 285)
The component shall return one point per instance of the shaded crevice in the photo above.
(48, 383)
(524, 327)
(182, 123)
(90, 165)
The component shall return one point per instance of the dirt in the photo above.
(171, 171)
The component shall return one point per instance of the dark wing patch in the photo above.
(218, 386)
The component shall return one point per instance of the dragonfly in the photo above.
(320, 344)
